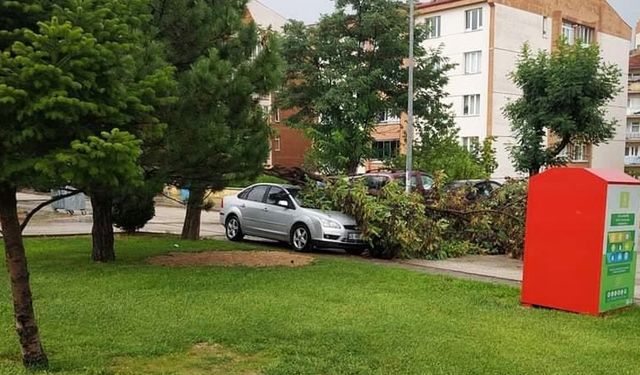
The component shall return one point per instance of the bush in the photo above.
(133, 209)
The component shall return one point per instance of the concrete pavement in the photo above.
(168, 219)
(496, 267)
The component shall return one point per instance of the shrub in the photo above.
(133, 209)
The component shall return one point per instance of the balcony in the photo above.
(631, 160)
(633, 112)
(634, 87)
(631, 136)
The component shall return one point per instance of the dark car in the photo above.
(376, 180)
(477, 188)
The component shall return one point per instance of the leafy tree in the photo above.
(351, 67)
(217, 131)
(563, 96)
(440, 151)
(60, 85)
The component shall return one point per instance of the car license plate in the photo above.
(355, 236)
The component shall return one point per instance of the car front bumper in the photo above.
(340, 239)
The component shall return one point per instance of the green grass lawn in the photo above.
(336, 316)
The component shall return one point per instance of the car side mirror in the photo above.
(283, 203)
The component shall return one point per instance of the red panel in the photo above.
(564, 239)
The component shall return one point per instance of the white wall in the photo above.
(455, 42)
(611, 155)
(514, 27)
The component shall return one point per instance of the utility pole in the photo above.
(410, 104)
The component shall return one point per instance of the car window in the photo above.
(427, 182)
(401, 181)
(257, 193)
(243, 194)
(275, 195)
(376, 182)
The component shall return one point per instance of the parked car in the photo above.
(376, 180)
(276, 212)
(477, 188)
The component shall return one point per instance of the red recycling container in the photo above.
(581, 240)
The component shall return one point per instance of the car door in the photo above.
(252, 208)
(277, 219)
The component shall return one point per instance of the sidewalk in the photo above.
(495, 267)
(168, 220)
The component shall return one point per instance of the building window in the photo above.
(470, 143)
(387, 117)
(277, 114)
(472, 62)
(471, 105)
(433, 27)
(631, 151)
(634, 127)
(577, 152)
(574, 32)
(276, 144)
(383, 150)
(545, 27)
(473, 19)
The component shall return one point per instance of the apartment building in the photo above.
(484, 38)
(288, 146)
(632, 149)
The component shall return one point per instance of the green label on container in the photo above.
(617, 278)
(621, 220)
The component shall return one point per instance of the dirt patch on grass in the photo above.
(257, 259)
(202, 359)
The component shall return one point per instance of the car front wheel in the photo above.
(301, 238)
(233, 229)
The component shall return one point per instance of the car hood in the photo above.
(343, 219)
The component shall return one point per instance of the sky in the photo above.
(309, 10)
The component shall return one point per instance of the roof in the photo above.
(266, 17)
(426, 4)
(610, 176)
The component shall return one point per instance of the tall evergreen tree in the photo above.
(351, 67)
(217, 130)
(61, 85)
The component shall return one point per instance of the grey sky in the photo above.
(309, 10)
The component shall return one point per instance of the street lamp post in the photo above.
(410, 104)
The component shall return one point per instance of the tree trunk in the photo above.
(33, 355)
(191, 227)
(102, 231)
(352, 167)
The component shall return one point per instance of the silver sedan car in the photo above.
(276, 212)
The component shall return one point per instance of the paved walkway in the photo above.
(495, 267)
(168, 220)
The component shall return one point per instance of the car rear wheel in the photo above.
(233, 230)
(301, 238)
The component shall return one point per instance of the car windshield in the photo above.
(297, 195)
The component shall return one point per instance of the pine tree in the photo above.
(217, 130)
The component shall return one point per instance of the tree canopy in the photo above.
(564, 94)
(348, 69)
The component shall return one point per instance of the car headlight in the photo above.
(326, 223)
